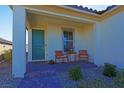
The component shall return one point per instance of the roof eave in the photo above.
(81, 11)
(110, 10)
(11, 7)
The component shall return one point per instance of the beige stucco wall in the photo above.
(83, 35)
(110, 41)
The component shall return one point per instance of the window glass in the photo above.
(68, 41)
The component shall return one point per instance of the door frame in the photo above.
(44, 45)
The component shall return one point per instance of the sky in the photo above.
(5, 22)
(6, 17)
(97, 7)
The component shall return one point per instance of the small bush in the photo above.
(75, 73)
(8, 56)
(120, 78)
(109, 70)
(51, 62)
(1, 57)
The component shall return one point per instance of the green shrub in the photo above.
(120, 78)
(97, 83)
(8, 56)
(75, 73)
(109, 70)
(1, 58)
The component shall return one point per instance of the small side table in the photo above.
(64, 57)
(70, 55)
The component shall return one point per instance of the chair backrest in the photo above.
(82, 52)
(58, 53)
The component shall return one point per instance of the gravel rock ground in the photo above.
(54, 76)
(91, 78)
(6, 79)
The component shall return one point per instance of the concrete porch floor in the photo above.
(58, 67)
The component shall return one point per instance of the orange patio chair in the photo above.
(84, 55)
(60, 56)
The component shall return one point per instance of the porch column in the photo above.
(19, 42)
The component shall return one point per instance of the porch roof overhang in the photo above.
(66, 13)
(60, 15)
(55, 14)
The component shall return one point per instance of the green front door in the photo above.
(38, 50)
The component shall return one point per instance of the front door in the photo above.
(38, 49)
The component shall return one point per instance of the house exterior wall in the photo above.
(4, 47)
(83, 38)
(103, 40)
(109, 41)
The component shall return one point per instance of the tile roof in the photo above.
(3, 41)
(90, 9)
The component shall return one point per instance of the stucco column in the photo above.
(19, 42)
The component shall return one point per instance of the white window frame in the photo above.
(68, 30)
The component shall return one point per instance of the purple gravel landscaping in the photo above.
(6, 80)
(40, 75)
(46, 75)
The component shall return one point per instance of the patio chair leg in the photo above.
(86, 61)
(75, 60)
(78, 59)
(62, 61)
(67, 60)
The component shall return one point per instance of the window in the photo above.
(68, 41)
